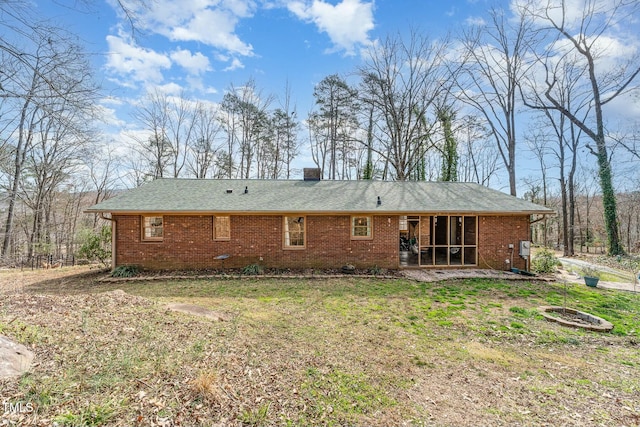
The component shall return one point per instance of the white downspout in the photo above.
(113, 239)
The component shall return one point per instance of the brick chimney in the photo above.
(312, 174)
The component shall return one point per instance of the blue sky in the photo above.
(201, 47)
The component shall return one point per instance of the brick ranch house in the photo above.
(204, 223)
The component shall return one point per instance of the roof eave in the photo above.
(320, 212)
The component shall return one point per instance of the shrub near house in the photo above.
(96, 245)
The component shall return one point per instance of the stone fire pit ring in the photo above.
(575, 319)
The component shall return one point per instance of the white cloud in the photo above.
(241, 8)
(235, 65)
(131, 138)
(476, 21)
(347, 23)
(108, 116)
(140, 64)
(608, 52)
(222, 58)
(212, 22)
(168, 89)
(215, 28)
(197, 85)
(195, 64)
(111, 100)
(623, 110)
(572, 13)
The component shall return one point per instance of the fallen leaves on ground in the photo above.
(312, 358)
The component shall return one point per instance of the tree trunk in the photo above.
(608, 201)
(20, 155)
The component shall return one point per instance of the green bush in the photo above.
(125, 271)
(252, 270)
(545, 261)
(376, 271)
(96, 244)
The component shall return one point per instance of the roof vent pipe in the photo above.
(379, 201)
(246, 189)
(229, 191)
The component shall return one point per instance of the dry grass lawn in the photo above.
(316, 352)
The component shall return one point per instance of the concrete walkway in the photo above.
(572, 277)
(428, 275)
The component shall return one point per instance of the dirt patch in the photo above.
(197, 310)
(13, 281)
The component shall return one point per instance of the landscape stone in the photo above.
(198, 311)
(15, 359)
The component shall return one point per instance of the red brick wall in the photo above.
(188, 243)
(495, 234)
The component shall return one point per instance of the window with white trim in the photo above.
(294, 231)
(152, 228)
(361, 227)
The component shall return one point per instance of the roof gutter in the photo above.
(317, 212)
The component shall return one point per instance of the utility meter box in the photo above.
(525, 248)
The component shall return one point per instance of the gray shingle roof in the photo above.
(275, 196)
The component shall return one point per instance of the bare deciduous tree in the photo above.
(286, 127)
(55, 155)
(168, 132)
(205, 146)
(52, 95)
(584, 38)
(478, 157)
(153, 143)
(402, 81)
(335, 122)
(538, 141)
(246, 116)
(495, 55)
(102, 165)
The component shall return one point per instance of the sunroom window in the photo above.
(448, 240)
